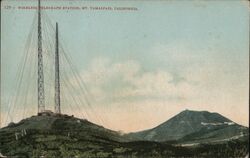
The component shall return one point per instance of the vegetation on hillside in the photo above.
(68, 137)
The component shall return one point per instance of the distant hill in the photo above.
(67, 136)
(193, 126)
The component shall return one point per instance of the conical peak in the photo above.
(187, 111)
(201, 115)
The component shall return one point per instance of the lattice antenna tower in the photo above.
(40, 81)
(57, 76)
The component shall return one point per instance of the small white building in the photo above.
(46, 113)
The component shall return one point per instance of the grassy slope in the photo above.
(67, 137)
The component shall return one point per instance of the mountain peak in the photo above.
(194, 111)
(203, 116)
(187, 122)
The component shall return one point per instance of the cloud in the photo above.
(126, 81)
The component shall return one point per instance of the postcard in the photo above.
(132, 79)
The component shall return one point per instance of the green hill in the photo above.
(201, 126)
(66, 136)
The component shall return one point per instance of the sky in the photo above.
(143, 66)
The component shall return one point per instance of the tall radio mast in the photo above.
(40, 81)
(57, 76)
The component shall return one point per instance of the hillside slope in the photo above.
(67, 136)
(191, 124)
